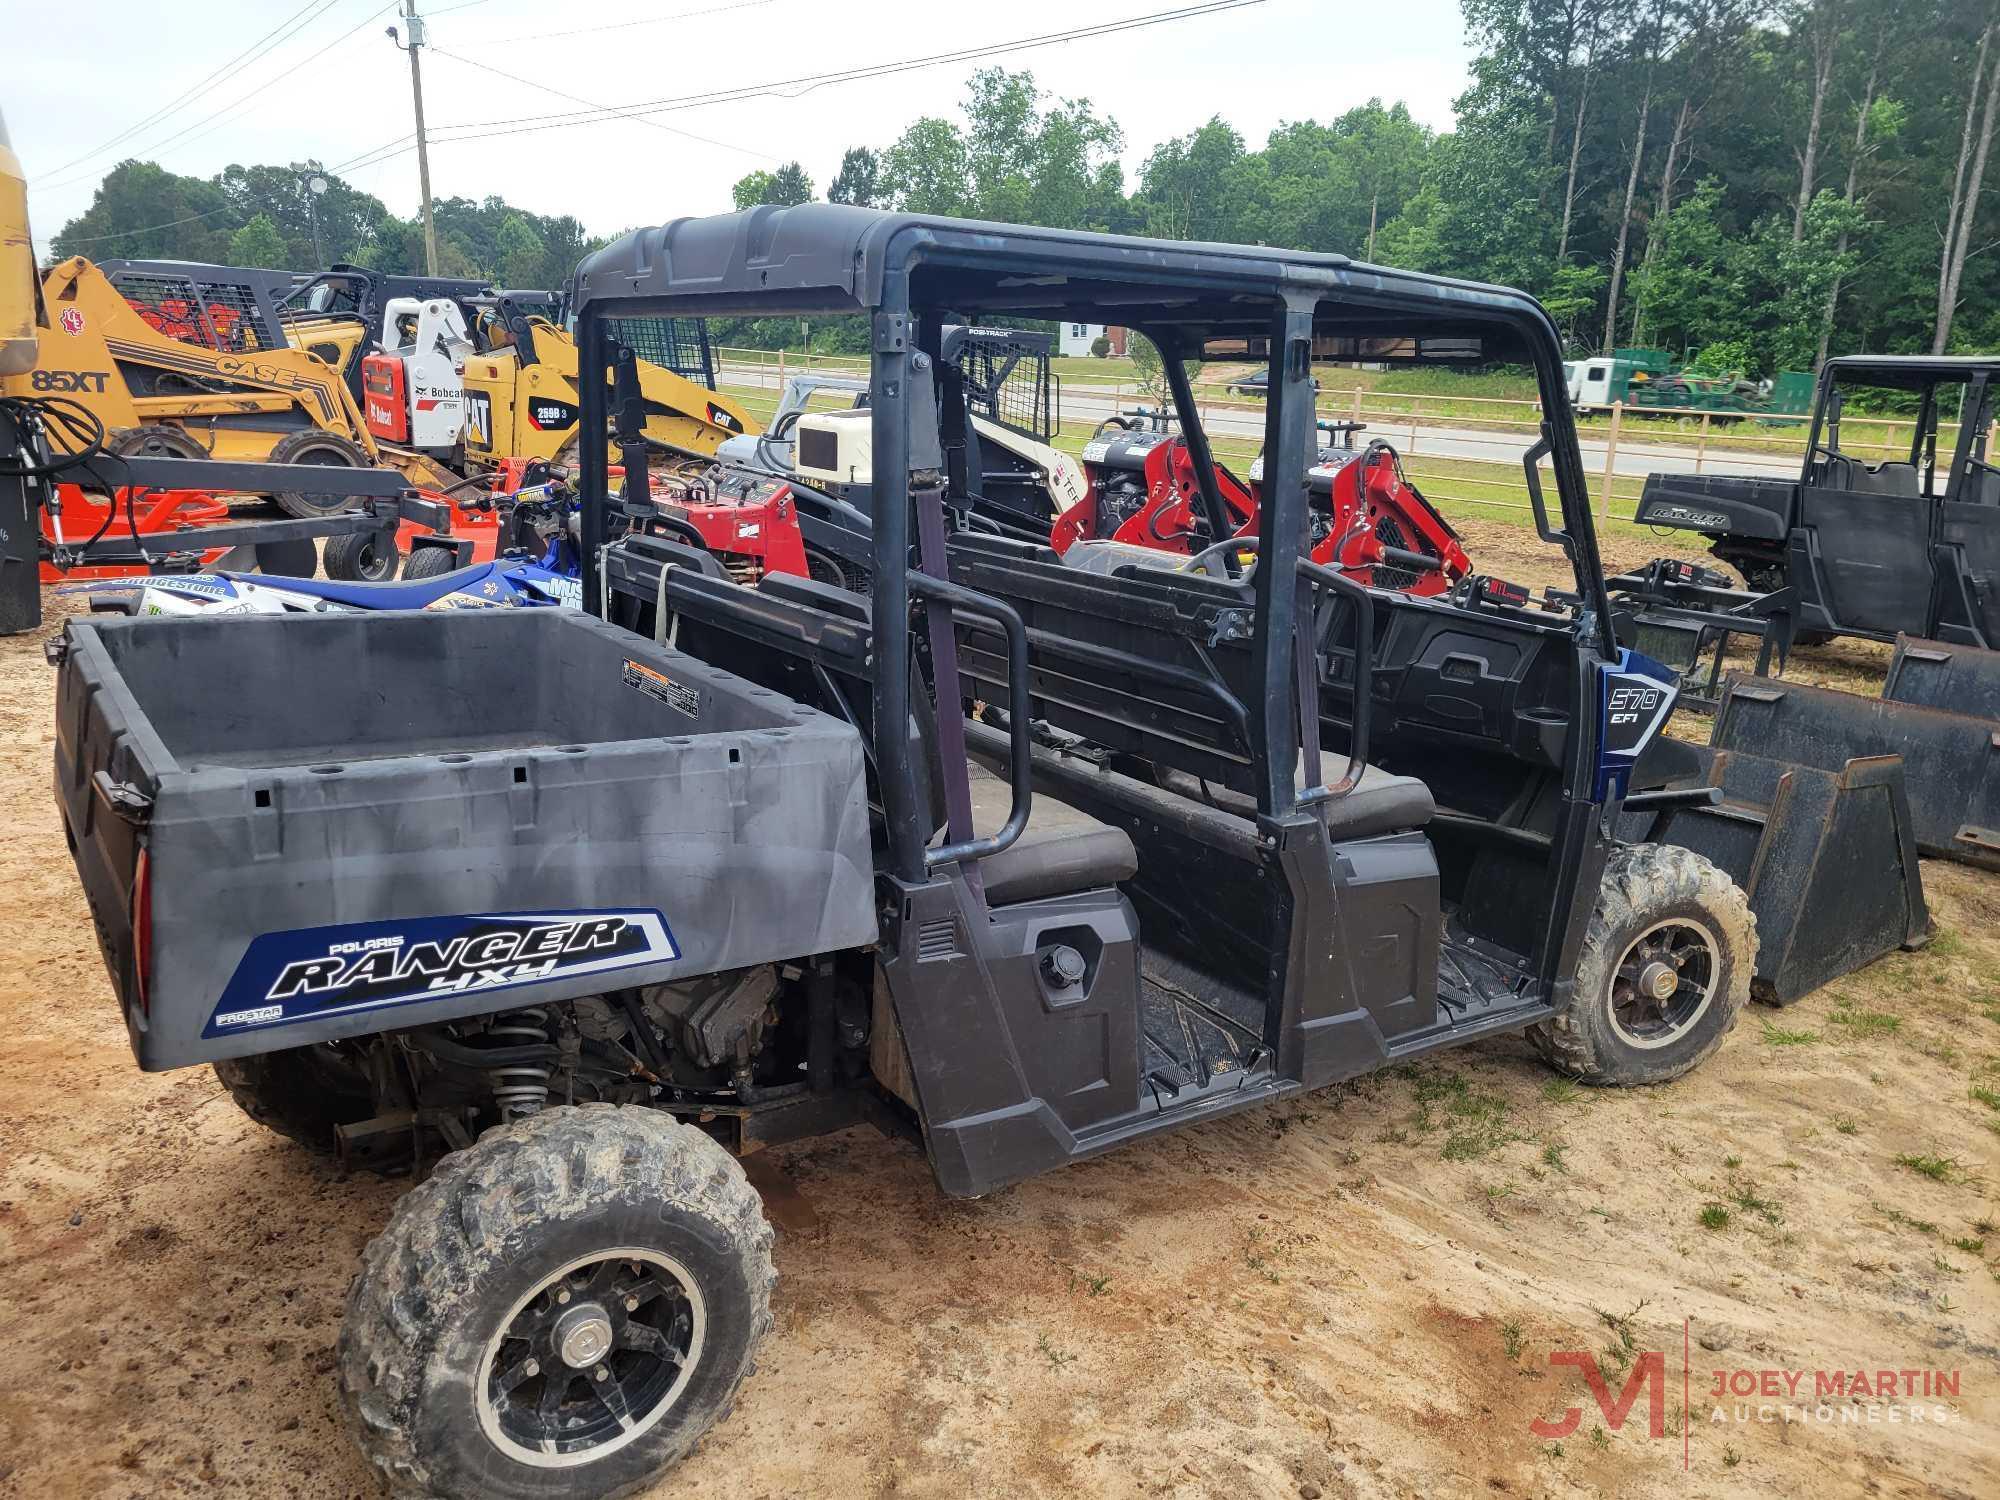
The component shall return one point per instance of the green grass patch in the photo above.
(1714, 1216)
(1780, 1036)
(1930, 1164)
(1866, 1022)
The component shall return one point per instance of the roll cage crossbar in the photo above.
(911, 275)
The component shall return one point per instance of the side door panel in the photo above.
(1969, 569)
(1872, 558)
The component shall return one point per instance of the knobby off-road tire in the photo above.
(302, 1093)
(1665, 969)
(512, 1272)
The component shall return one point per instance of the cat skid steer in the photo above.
(475, 381)
(583, 941)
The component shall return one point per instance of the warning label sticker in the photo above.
(658, 685)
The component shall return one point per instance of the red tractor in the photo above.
(1367, 518)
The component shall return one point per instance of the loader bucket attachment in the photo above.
(1827, 858)
(1959, 679)
(1951, 761)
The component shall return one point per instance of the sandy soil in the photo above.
(1356, 1294)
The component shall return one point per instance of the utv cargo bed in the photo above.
(526, 805)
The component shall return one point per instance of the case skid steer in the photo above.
(584, 940)
(174, 365)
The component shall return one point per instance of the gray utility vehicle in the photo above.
(581, 906)
(1873, 544)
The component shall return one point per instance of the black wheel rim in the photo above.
(374, 564)
(592, 1359)
(1664, 983)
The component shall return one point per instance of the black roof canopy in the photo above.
(1911, 372)
(831, 258)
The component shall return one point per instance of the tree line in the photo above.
(1752, 184)
(270, 216)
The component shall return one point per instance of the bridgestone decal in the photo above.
(316, 972)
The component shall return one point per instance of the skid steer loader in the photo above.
(474, 391)
(180, 369)
(521, 393)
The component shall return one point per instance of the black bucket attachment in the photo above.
(1951, 761)
(1827, 859)
(1959, 679)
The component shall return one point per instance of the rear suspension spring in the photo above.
(520, 1089)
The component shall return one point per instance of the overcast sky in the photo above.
(335, 88)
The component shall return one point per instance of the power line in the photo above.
(233, 109)
(797, 87)
(272, 40)
(686, 15)
(577, 99)
(186, 94)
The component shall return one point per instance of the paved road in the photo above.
(1092, 403)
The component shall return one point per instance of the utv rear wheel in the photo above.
(314, 447)
(1666, 966)
(564, 1308)
(361, 557)
(304, 1093)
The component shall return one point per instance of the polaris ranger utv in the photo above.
(1874, 545)
(584, 935)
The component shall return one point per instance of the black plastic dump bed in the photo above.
(335, 824)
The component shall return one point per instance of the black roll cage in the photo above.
(913, 275)
(1922, 375)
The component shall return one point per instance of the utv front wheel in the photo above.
(1666, 966)
(564, 1308)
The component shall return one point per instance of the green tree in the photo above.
(927, 171)
(258, 243)
(1688, 290)
(521, 255)
(859, 180)
(1019, 157)
(1188, 186)
(141, 210)
(784, 187)
(1571, 299)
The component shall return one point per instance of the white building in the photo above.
(1078, 337)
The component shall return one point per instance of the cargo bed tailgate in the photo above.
(354, 823)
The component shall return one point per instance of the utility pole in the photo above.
(416, 25)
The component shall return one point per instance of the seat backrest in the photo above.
(1138, 660)
(1887, 479)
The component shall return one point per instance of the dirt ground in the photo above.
(1354, 1294)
